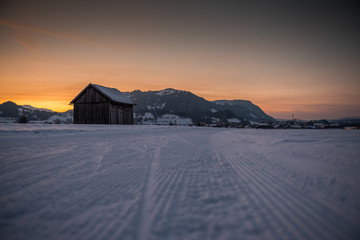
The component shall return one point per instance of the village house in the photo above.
(102, 105)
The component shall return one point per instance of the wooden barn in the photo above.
(102, 105)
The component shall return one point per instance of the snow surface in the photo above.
(35, 108)
(65, 119)
(167, 119)
(7, 120)
(114, 94)
(165, 92)
(215, 120)
(223, 102)
(233, 120)
(163, 182)
(253, 115)
(156, 106)
(20, 110)
(148, 115)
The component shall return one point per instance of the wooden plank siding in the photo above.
(93, 108)
(91, 113)
(91, 96)
(121, 114)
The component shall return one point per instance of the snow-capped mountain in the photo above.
(11, 112)
(168, 106)
(244, 108)
(187, 105)
(35, 108)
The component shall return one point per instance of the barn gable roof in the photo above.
(112, 94)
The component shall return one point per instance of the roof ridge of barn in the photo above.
(112, 94)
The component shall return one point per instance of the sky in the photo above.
(288, 57)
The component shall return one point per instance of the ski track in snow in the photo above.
(152, 182)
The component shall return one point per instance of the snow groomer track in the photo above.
(157, 182)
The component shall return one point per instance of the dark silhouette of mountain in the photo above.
(9, 109)
(187, 104)
(12, 110)
(34, 108)
(244, 108)
(184, 104)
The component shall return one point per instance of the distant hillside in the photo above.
(244, 108)
(187, 105)
(11, 112)
(168, 106)
(34, 108)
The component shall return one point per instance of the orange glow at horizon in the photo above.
(59, 100)
(47, 63)
(53, 85)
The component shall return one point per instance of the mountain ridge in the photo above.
(186, 104)
(175, 105)
(35, 108)
(11, 112)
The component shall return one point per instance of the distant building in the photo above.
(102, 105)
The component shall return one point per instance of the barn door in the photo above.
(113, 116)
(126, 117)
(119, 116)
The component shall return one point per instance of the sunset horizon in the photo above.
(63, 106)
(179, 119)
(298, 58)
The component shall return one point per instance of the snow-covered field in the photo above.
(156, 182)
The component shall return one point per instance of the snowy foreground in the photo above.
(151, 182)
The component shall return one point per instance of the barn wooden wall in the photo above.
(94, 108)
(121, 114)
(91, 108)
(91, 113)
